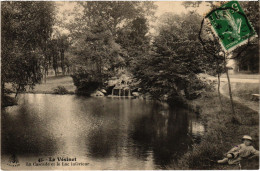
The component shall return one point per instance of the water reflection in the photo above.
(165, 133)
(109, 133)
(23, 132)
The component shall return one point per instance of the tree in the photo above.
(55, 54)
(104, 33)
(62, 45)
(135, 41)
(26, 27)
(175, 59)
(116, 15)
(236, 55)
(114, 18)
(249, 58)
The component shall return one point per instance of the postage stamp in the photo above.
(231, 25)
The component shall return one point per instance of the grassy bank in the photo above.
(51, 85)
(222, 134)
(244, 90)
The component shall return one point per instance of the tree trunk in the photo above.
(62, 63)
(230, 92)
(55, 71)
(17, 90)
(45, 75)
(219, 95)
(2, 89)
(68, 70)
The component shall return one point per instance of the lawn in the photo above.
(244, 90)
(52, 83)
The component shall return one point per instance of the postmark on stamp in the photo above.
(231, 25)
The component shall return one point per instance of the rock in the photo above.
(112, 82)
(182, 92)
(165, 97)
(135, 94)
(147, 96)
(97, 93)
(103, 91)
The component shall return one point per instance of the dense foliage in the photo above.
(87, 81)
(172, 67)
(249, 59)
(108, 36)
(105, 38)
(26, 28)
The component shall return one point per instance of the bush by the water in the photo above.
(8, 101)
(60, 90)
(87, 81)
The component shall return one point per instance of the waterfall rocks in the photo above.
(97, 93)
(135, 94)
(103, 91)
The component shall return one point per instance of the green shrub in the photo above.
(60, 90)
(87, 81)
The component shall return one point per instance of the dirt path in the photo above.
(238, 79)
(252, 105)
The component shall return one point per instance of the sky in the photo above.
(163, 6)
(176, 7)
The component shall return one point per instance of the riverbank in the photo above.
(222, 134)
(52, 83)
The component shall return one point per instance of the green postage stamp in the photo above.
(230, 24)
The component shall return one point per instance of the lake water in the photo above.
(102, 133)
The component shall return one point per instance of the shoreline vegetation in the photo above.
(222, 133)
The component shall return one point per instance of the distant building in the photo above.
(232, 66)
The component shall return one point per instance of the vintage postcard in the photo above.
(129, 85)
